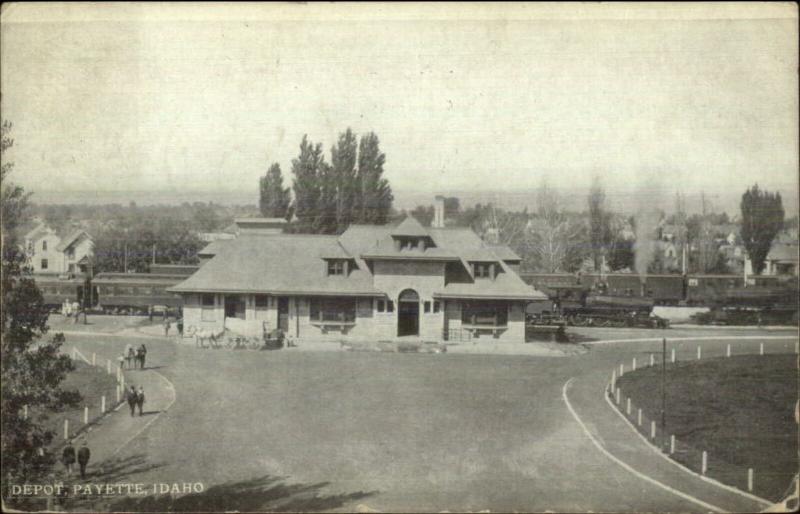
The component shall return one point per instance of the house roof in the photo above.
(410, 227)
(279, 264)
(71, 239)
(505, 253)
(783, 252)
(213, 247)
(294, 264)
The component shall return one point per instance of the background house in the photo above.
(51, 252)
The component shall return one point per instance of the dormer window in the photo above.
(409, 243)
(483, 269)
(44, 246)
(338, 267)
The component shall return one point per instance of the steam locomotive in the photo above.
(627, 299)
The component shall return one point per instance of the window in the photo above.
(44, 246)
(389, 306)
(692, 282)
(207, 309)
(482, 269)
(381, 306)
(341, 310)
(335, 267)
(262, 302)
(436, 306)
(44, 263)
(427, 307)
(484, 313)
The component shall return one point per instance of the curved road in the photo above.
(276, 429)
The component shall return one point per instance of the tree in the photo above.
(274, 199)
(329, 198)
(599, 222)
(762, 219)
(343, 182)
(374, 203)
(308, 169)
(551, 238)
(32, 369)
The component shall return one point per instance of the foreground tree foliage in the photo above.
(762, 219)
(32, 368)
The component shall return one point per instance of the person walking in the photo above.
(121, 360)
(131, 398)
(179, 324)
(140, 399)
(167, 325)
(68, 457)
(83, 457)
(130, 355)
(141, 353)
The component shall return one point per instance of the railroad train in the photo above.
(626, 299)
(116, 293)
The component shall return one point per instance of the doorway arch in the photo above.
(408, 313)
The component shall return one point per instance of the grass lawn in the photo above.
(739, 409)
(92, 383)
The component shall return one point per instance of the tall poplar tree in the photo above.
(308, 169)
(762, 219)
(274, 199)
(343, 179)
(375, 199)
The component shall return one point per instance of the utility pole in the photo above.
(154, 253)
(663, 390)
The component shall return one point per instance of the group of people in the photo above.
(71, 310)
(82, 455)
(134, 358)
(135, 398)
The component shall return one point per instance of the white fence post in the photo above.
(761, 349)
(728, 351)
(628, 406)
(103, 404)
(108, 366)
(66, 429)
(673, 355)
(639, 417)
(652, 360)
(94, 359)
(621, 370)
(699, 352)
(118, 393)
(750, 479)
(618, 396)
(652, 430)
(704, 466)
(613, 380)
(86, 415)
(633, 364)
(672, 444)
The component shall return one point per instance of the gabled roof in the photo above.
(71, 239)
(504, 253)
(277, 264)
(783, 252)
(213, 247)
(410, 227)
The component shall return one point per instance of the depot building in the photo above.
(371, 282)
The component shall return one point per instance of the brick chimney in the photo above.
(438, 212)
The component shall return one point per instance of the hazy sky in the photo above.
(169, 97)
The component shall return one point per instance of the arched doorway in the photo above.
(408, 313)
